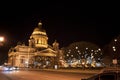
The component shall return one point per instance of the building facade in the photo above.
(38, 54)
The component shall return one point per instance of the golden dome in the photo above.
(40, 36)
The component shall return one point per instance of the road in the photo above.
(42, 75)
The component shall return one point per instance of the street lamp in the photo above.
(1, 40)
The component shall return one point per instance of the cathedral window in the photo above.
(37, 41)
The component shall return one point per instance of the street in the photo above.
(42, 75)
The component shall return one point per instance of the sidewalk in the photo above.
(68, 70)
(75, 70)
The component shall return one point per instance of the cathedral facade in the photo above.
(38, 53)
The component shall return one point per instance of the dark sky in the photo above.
(67, 23)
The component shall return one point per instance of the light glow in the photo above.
(1, 39)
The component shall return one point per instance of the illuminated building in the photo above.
(38, 54)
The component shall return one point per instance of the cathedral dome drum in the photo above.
(40, 37)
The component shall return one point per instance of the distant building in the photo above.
(37, 54)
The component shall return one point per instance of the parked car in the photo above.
(15, 68)
(8, 68)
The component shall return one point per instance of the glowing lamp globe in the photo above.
(1, 39)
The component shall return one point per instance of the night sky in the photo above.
(66, 23)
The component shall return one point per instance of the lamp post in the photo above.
(114, 50)
(1, 41)
(28, 62)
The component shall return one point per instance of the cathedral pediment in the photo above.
(46, 52)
